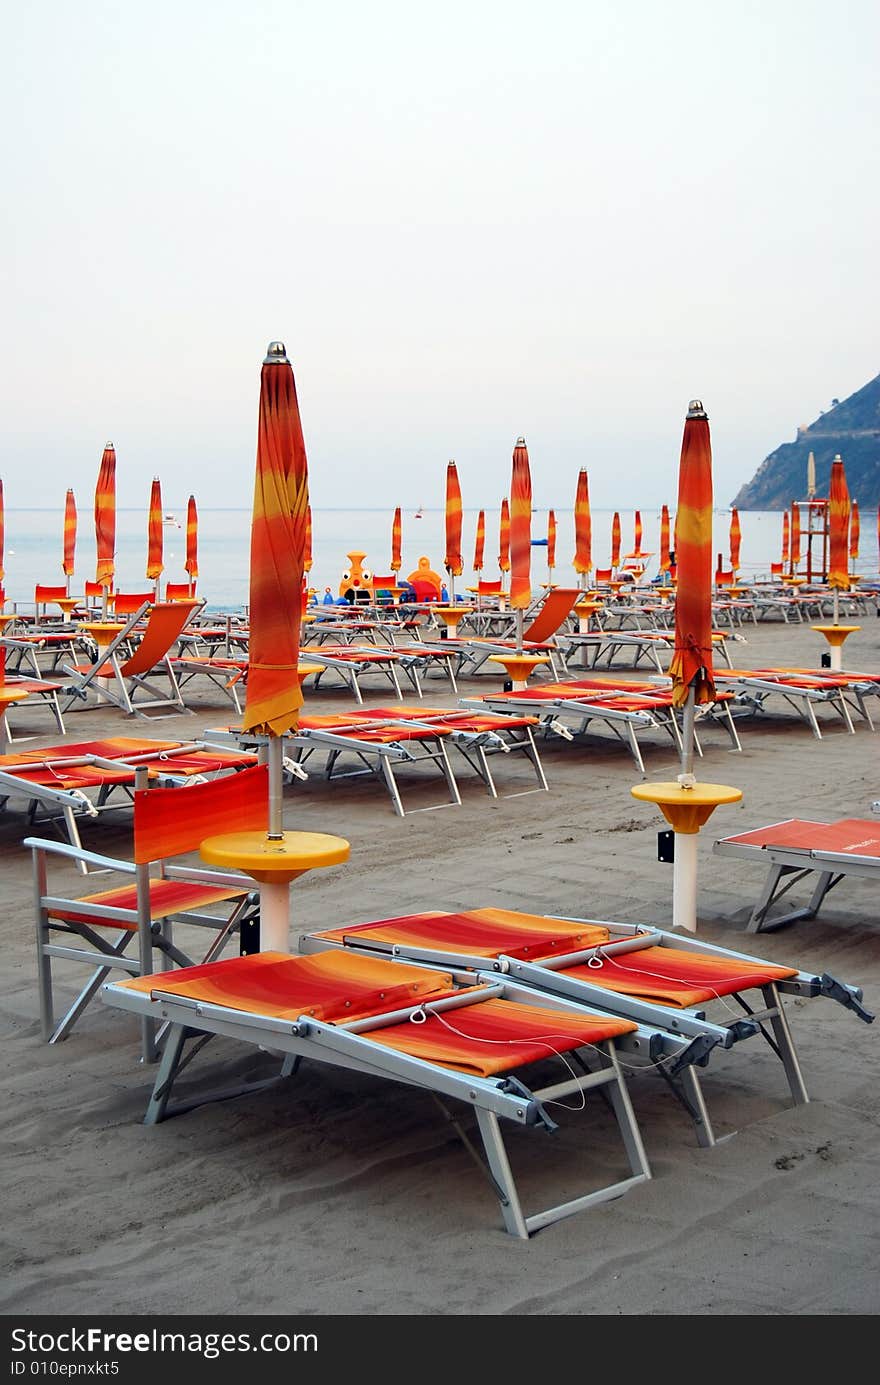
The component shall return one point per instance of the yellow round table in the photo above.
(451, 615)
(274, 862)
(836, 636)
(686, 807)
(519, 666)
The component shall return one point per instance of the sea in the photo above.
(33, 549)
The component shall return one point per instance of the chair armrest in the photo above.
(75, 853)
(225, 879)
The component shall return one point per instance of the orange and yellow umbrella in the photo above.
(691, 666)
(480, 541)
(665, 554)
(735, 539)
(583, 527)
(504, 537)
(69, 558)
(396, 537)
(105, 518)
(520, 528)
(278, 533)
(795, 535)
(551, 540)
(2, 541)
(854, 531)
(786, 540)
(838, 528)
(191, 565)
(615, 540)
(307, 543)
(453, 561)
(155, 533)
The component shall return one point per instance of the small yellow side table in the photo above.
(519, 666)
(836, 636)
(686, 808)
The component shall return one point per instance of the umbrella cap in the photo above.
(276, 353)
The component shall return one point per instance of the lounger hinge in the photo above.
(513, 1084)
(847, 995)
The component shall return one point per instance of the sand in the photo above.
(336, 1194)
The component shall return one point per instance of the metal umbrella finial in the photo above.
(696, 410)
(276, 353)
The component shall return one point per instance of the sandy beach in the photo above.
(335, 1194)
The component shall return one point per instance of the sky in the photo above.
(468, 222)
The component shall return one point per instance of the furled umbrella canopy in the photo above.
(480, 542)
(615, 540)
(191, 566)
(520, 528)
(396, 539)
(2, 540)
(691, 666)
(786, 538)
(504, 537)
(551, 542)
(855, 527)
(583, 527)
(795, 537)
(307, 545)
(278, 529)
(68, 560)
(105, 519)
(637, 525)
(453, 560)
(735, 539)
(155, 533)
(665, 553)
(838, 528)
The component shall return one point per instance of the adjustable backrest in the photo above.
(165, 621)
(489, 588)
(44, 594)
(173, 821)
(179, 591)
(126, 603)
(603, 575)
(558, 604)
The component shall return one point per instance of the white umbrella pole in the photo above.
(519, 629)
(275, 895)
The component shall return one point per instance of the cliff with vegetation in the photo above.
(851, 428)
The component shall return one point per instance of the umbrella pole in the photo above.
(105, 600)
(519, 629)
(687, 734)
(684, 863)
(275, 894)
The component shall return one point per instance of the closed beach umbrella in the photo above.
(795, 535)
(504, 537)
(786, 539)
(735, 539)
(691, 666)
(551, 543)
(2, 542)
(854, 532)
(520, 534)
(69, 539)
(583, 528)
(395, 541)
(453, 560)
(811, 476)
(155, 533)
(105, 521)
(615, 540)
(665, 554)
(192, 543)
(637, 549)
(307, 544)
(480, 541)
(838, 531)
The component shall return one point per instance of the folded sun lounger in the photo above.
(794, 850)
(645, 974)
(473, 1041)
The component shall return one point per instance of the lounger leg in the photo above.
(451, 783)
(165, 1076)
(756, 922)
(499, 1165)
(785, 1045)
(391, 784)
(695, 1104)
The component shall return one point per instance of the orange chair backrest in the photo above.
(165, 621)
(179, 591)
(173, 821)
(557, 605)
(603, 574)
(489, 588)
(126, 603)
(43, 594)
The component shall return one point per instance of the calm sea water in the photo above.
(33, 547)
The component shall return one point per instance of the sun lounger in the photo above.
(98, 929)
(474, 1042)
(62, 784)
(36, 692)
(795, 850)
(654, 977)
(802, 691)
(39, 652)
(352, 662)
(119, 675)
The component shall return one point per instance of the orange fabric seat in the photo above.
(481, 932)
(672, 977)
(166, 897)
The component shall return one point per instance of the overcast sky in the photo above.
(468, 221)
